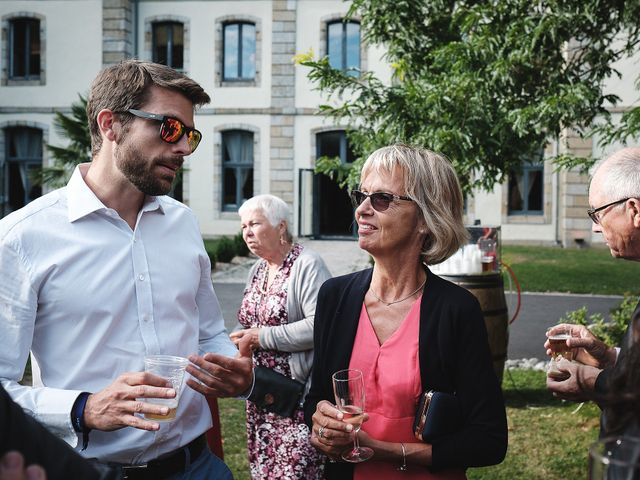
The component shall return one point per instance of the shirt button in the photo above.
(141, 278)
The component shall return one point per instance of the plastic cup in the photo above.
(615, 458)
(171, 368)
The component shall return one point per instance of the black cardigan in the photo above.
(454, 357)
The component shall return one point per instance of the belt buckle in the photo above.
(132, 468)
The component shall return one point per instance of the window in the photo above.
(23, 155)
(237, 168)
(343, 46)
(168, 44)
(239, 57)
(334, 213)
(335, 144)
(526, 190)
(24, 49)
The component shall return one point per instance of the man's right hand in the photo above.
(116, 406)
(589, 350)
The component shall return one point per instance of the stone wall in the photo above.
(117, 31)
(281, 160)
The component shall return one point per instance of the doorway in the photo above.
(332, 209)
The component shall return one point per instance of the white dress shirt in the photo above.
(90, 298)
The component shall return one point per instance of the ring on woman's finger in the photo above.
(321, 432)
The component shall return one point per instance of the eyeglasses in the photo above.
(380, 201)
(592, 211)
(171, 129)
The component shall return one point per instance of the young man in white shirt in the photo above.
(109, 269)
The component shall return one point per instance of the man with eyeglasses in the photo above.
(109, 269)
(614, 195)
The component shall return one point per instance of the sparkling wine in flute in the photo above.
(353, 415)
(348, 387)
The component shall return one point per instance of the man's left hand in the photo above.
(222, 376)
(578, 386)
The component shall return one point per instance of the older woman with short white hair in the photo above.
(277, 314)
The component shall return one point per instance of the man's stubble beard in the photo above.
(138, 169)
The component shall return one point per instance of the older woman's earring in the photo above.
(283, 241)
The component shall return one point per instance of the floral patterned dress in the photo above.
(278, 447)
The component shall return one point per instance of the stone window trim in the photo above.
(219, 213)
(532, 219)
(334, 17)
(6, 29)
(148, 37)
(220, 22)
(314, 134)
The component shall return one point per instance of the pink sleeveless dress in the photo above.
(392, 388)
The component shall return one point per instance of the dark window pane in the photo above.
(237, 171)
(19, 47)
(229, 192)
(25, 48)
(231, 51)
(168, 44)
(34, 48)
(23, 152)
(16, 187)
(247, 187)
(160, 43)
(335, 144)
(334, 45)
(353, 47)
(516, 202)
(177, 52)
(248, 51)
(334, 211)
(329, 144)
(535, 191)
(24, 144)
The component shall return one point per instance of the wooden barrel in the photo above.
(488, 288)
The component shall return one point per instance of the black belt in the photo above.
(167, 464)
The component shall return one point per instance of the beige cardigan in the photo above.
(308, 273)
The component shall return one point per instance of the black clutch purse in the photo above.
(438, 414)
(275, 392)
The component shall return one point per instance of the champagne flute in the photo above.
(348, 387)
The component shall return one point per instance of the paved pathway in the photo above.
(539, 311)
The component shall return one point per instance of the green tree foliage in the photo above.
(74, 127)
(487, 82)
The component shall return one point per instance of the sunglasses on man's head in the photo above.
(380, 201)
(171, 129)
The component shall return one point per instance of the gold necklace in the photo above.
(388, 304)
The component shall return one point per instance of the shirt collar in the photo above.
(81, 201)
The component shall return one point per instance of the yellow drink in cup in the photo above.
(171, 368)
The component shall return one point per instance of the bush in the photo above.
(212, 258)
(611, 331)
(225, 249)
(241, 247)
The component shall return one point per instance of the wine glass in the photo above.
(348, 387)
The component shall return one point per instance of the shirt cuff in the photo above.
(246, 394)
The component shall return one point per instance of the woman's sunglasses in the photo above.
(171, 129)
(380, 201)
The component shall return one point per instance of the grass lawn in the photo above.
(548, 438)
(554, 269)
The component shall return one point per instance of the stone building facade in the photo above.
(261, 133)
